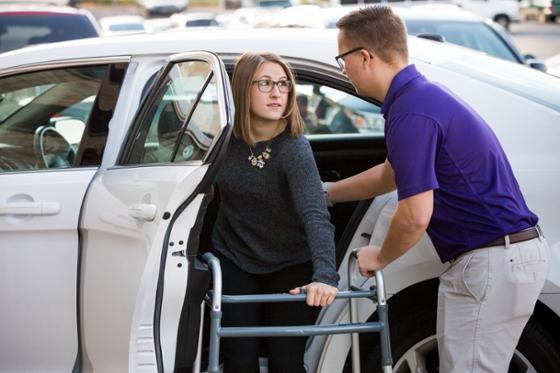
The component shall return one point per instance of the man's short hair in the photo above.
(378, 29)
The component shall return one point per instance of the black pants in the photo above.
(285, 354)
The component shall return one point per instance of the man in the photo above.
(454, 182)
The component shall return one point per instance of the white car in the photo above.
(119, 25)
(503, 12)
(108, 149)
(163, 7)
(193, 19)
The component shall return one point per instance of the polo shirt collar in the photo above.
(400, 80)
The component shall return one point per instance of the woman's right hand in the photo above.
(318, 293)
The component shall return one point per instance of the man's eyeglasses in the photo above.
(340, 58)
(267, 85)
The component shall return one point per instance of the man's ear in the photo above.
(367, 57)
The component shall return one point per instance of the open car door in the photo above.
(142, 218)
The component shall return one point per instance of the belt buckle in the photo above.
(539, 230)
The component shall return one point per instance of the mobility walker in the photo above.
(215, 298)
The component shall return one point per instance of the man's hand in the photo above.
(369, 260)
(318, 294)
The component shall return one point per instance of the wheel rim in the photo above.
(421, 358)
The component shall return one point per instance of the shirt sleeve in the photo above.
(412, 145)
(310, 205)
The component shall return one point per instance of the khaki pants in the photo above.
(485, 299)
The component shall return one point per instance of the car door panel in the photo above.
(117, 243)
(42, 187)
(151, 200)
(39, 259)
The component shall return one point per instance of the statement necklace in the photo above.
(260, 160)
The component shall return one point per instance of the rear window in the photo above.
(472, 35)
(17, 31)
(127, 27)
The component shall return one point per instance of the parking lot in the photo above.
(542, 40)
(539, 39)
(109, 147)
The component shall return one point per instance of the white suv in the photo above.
(502, 12)
(108, 149)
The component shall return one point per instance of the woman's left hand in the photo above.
(318, 294)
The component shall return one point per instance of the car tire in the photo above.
(414, 343)
(502, 20)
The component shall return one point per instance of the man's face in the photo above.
(352, 61)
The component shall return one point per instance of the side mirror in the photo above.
(534, 63)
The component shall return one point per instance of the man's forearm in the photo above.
(407, 226)
(370, 183)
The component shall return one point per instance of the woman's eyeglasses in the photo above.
(267, 85)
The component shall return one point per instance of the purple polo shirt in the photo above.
(437, 142)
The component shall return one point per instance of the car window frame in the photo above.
(149, 95)
(306, 71)
(110, 62)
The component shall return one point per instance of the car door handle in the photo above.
(144, 211)
(30, 208)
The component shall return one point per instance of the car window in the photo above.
(201, 23)
(127, 27)
(472, 35)
(327, 110)
(17, 31)
(44, 115)
(182, 120)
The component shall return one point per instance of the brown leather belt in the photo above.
(524, 235)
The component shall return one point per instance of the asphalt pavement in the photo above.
(540, 40)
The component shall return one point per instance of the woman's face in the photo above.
(269, 106)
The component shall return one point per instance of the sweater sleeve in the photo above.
(310, 205)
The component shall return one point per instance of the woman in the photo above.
(272, 232)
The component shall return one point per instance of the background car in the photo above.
(553, 10)
(106, 199)
(236, 4)
(456, 26)
(193, 19)
(503, 12)
(163, 7)
(23, 24)
(118, 25)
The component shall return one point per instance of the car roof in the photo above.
(25, 8)
(320, 44)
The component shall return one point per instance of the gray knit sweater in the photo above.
(276, 216)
